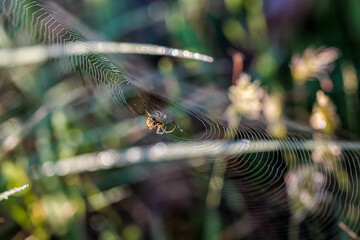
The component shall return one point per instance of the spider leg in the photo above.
(170, 131)
(160, 128)
(147, 113)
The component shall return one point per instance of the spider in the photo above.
(152, 122)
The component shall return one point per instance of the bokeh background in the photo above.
(278, 109)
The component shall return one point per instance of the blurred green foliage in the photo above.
(55, 118)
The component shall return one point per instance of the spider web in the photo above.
(277, 181)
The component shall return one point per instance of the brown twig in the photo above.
(238, 60)
(350, 232)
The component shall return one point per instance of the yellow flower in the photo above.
(273, 112)
(245, 99)
(324, 117)
(273, 107)
(312, 63)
